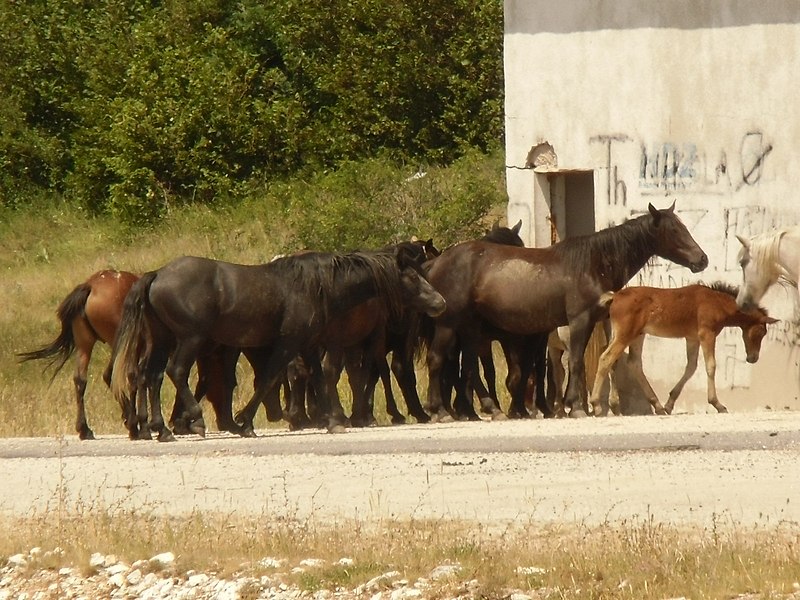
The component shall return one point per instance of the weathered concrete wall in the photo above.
(692, 101)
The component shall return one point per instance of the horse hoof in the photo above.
(499, 416)
(247, 432)
(337, 429)
(398, 420)
(422, 417)
(198, 426)
(86, 434)
(166, 436)
(144, 434)
(577, 413)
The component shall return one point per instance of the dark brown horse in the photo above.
(281, 307)
(525, 291)
(90, 313)
(697, 313)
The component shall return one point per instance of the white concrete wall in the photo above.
(694, 101)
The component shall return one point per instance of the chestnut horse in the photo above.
(90, 313)
(697, 313)
(525, 291)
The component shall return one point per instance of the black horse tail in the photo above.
(132, 342)
(71, 308)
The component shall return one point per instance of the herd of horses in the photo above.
(300, 320)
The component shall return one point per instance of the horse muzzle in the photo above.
(437, 308)
(698, 266)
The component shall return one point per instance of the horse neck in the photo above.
(789, 255)
(623, 251)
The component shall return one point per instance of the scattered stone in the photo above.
(18, 561)
(445, 571)
(96, 560)
(163, 560)
(312, 563)
(531, 571)
(345, 562)
(271, 563)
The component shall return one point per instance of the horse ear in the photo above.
(517, 227)
(743, 241)
(672, 208)
(655, 212)
(770, 320)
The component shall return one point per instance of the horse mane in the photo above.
(724, 287)
(618, 245)
(732, 291)
(319, 274)
(764, 252)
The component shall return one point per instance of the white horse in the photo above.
(766, 259)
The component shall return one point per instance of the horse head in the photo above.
(673, 240)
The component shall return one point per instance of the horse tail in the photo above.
(605, 299)
(60, 349)
(130, 344)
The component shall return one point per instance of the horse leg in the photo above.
(605, 365)
(487, 393)
(635, 363)
(514, 379)
(692, 354)
(708, 341)
(178, 368)
(297, 374)
(353, 359)
(81, 370)
(539, 357)
(443, 340)
(470, 344)
(403, 369)
(84, 340)
(555, 355)
(580, 328)
(273, 373)
(326, 378)
(153, 380)
(220, 393)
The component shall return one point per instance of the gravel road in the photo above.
(682, 469)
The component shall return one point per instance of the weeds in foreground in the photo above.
(636, 559)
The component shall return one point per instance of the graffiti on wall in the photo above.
(685, 167)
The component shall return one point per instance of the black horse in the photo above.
(525, 291)
(280, 308)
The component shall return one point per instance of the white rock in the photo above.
(35, 552)
(403, 593)
(64, 571)
(519, 596)
(271, 563)
(117, 568)
(198, 579)
(135, 577)
(531, 571)
(313, 563)
(109, 560)
(345, 562)
(165, 559)
(17, 560)
(443, 571)
(117, 580)
(96, 560)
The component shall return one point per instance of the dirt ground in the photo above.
(684, 469)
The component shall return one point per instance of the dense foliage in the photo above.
(128, 106)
